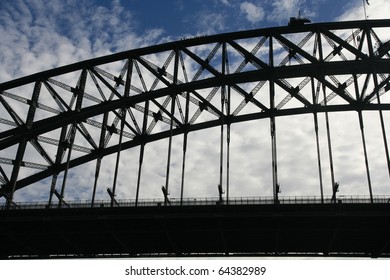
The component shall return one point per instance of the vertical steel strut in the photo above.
(315, 101)
(273, 127)
(173, 100)
(99, 160)
(183, 167)
(361, 124)
(315, 96)
(334, 186)
(228, 157)
(59, 155)
(169, 147)
(70, 147)
(274, 157)
(334, 189)
(185, 135)
(129, 67)
(97, 173)
(79, 93)
(374, 74)
(140, 162)
(228, 139)
(144, 132)
(123, 117)
(223, 93)
(221, 140)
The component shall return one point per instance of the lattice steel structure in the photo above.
(158, 92)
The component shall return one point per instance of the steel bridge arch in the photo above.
(175, 83)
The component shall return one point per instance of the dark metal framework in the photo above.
(309, 69)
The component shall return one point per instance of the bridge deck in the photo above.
(328, 229)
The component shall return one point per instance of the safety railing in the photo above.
(201, 202)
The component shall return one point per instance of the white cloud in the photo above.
(207, 22)
(378, 9)
(252, 12)
(282, 10)
(39, 35)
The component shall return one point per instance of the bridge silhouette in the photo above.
(70, 186)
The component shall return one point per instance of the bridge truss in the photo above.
(55, 121)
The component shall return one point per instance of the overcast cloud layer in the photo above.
(38, 35)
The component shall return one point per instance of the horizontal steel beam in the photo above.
(354, 229)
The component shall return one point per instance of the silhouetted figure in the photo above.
(298, 20)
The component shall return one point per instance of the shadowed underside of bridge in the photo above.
(262, 230)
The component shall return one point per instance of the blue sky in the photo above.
(38, 35)
(47, 34)
(180, 17)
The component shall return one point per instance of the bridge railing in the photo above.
(202, 202)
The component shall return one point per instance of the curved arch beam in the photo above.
(205, 125)
(321, 55)
(14, 136)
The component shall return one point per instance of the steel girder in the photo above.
(184, 86)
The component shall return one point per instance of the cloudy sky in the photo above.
(38, 35)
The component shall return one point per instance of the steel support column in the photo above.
(59, 155)
(123, 117)
(228, 151)
(183, 167)
(361, 125)
(273, 127)
(79, 93)
(97, 172)
(123, 120)
(142, 151)
(315, 114)
(222, 118)
(375, 77)
(330, 151)
(185, 134)
(227, 104)
(100, 159)
(172, 112)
